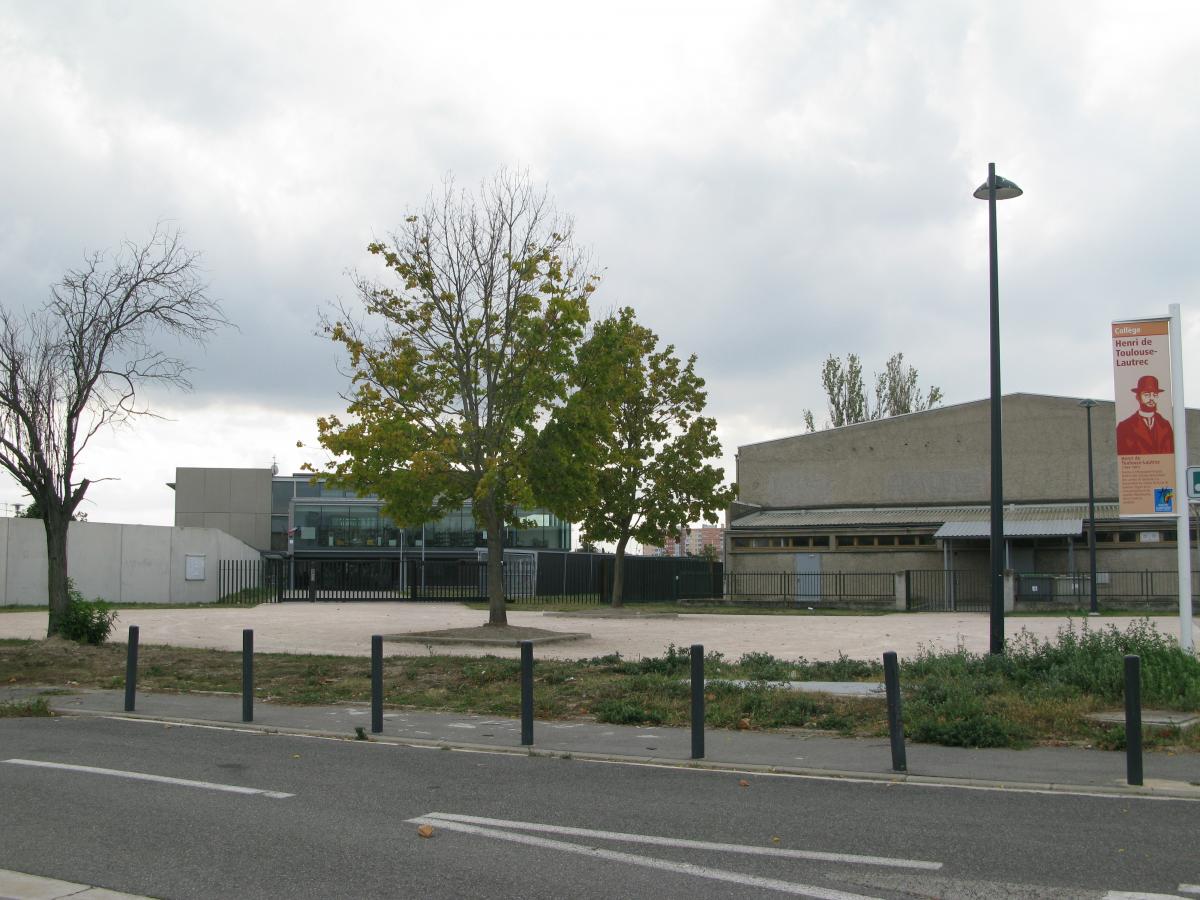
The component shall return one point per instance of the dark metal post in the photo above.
(1133, 719)
(312, 581)
(131, 668)
(997, 517)
(891, 680)
(697, 701)
(1094, 608)
(376, 684)
(526, 693)
(247, 674)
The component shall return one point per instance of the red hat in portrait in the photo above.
(1147, 384)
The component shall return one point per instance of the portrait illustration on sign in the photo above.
(1147, 430)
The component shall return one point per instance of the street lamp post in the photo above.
(1094, 609)
(996, 188)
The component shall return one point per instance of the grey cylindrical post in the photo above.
(891, 680)
(312, 582)
(697, 701)
(247, 674)
(131, 669)
(1133, 719)
(376, 683)
(526, 693)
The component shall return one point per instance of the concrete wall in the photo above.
(236, 501)
(117, 563)
(942, 457)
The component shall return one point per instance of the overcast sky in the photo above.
(765, 183)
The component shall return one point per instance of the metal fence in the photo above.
(583, 578)
(1150, 587)
(954, 590)
(249, 581)
(812, 587)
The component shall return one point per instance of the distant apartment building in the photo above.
(693, 544)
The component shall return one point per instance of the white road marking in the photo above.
(748, 849)
(143, 776)
(1189, 889)
(1138, 895)
(461, 725)
(681, 868)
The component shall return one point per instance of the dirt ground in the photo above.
(346, 628)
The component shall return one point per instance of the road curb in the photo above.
(1173, 792)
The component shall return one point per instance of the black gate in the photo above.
(466, 579)
(340, 579)
(937, 590)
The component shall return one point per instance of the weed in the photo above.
(20, 709)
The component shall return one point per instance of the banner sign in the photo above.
(1145, 437)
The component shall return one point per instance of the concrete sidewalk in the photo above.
(796, 752)
(346, 628)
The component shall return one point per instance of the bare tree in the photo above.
(75, 366)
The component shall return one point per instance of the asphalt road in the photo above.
(507, 826)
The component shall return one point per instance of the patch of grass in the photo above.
(23, 709)
(1039, 692)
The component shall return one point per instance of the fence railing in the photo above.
(583, 578)
(586, 579)
(1147, 586)
(953, 590)
(810, 587)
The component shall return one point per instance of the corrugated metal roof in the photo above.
(1017, 517)
(1013, 527)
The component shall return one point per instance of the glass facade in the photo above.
(323, 518)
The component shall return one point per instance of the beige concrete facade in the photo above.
(236, 501)
(937, 458)
(942, 456)
(118, 563)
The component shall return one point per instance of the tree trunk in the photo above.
(495, 569)
(618, 585)
(56, 525)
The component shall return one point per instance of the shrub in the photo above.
(626, 712)
(86, 621)
(759, 666)
(955, 712)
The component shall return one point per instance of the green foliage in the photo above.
(960, 718)
(626, 455)
(1093, 661)
(469, 351)
(896, 392)
(765, 667)
(23, 709)
(627, 712)
(33, 510)
(86, 621)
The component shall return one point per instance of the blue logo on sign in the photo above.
(1164, 499)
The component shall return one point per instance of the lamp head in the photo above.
(1087, 404)
(1005, 190)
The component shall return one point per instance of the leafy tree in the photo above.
(896, 392)
(625, 456)
(76, 365)
(33, 511)
(472, 349)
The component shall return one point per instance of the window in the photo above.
(281, 496)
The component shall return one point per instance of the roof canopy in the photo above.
(1025, 520)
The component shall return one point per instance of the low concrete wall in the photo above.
(117, 563)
